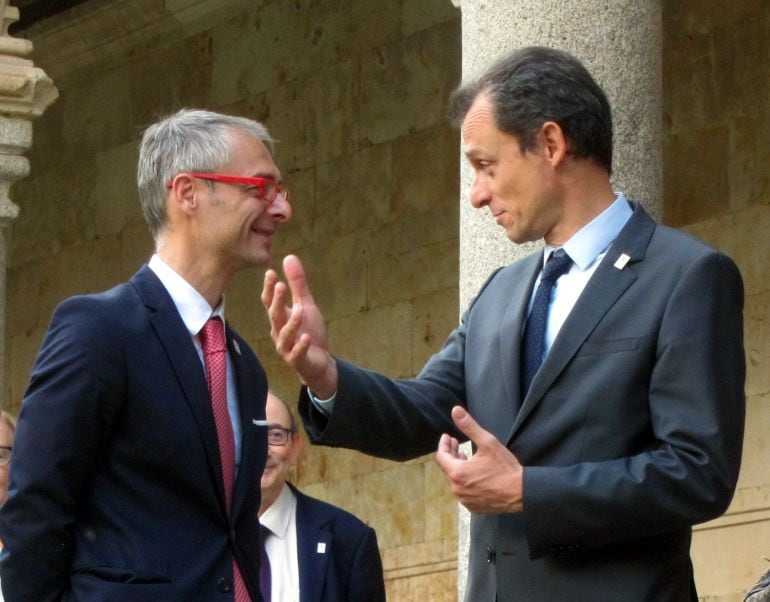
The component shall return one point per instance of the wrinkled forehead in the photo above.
(481, 114)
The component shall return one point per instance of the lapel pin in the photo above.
(259, 422)
(237, 347)
(321, 549)
(622, 261)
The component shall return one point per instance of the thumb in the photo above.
(470, 428)
(295, 278)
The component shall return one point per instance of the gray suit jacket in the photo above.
(631, 431)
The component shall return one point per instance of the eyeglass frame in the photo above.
(257, 182)
(5, 460)
(287, 433)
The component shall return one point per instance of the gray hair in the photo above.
(530, 86)
(189, 140)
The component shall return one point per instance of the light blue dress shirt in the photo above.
(586, 248)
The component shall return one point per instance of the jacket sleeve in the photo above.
(366, 578)
(66, 417)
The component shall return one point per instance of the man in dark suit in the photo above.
(604, 399)
(142, 429)
(317, 552)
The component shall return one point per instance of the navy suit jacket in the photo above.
(631, 431)
(349, 568)
(116, 489)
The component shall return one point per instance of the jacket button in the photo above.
(224, 585)
(491, 555)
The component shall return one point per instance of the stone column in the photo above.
(25, 92)
(620, 43)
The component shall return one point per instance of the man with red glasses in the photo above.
(142, 433)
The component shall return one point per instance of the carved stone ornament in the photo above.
(25, 90)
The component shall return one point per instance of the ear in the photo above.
(553, 142)
(183, 194)
(296, 448)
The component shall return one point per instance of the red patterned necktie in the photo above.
(212, 338)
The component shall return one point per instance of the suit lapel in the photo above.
(603, 290)
(247, 402)
(314, 543)
(512, 326)
(181, 353)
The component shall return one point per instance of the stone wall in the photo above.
(716, 166)
(355, 93)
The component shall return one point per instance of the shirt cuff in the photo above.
(325, 406)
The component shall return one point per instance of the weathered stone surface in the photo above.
(690, 196)
(353, 193)
(757, 333)
(390, 500)
(405, 85)
(417, 255)
(424, 170)
(742, 235)
(435, 315)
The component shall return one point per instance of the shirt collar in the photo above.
(597, 235)
(277, 517)
(191, 305)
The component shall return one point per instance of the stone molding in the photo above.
(25, 90)
(112, 32)
(25, 93)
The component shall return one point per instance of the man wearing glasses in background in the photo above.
(142, 432)
(316, 551)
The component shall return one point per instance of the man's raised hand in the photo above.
(298, 330)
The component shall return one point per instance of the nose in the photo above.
(280, 209)
(480, 194)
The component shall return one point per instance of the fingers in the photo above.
(268, 288)
(470, 428)
(286, 328)
(295, 277)
(448, 453)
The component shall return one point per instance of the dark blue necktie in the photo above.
(533, 343)
(265, 578)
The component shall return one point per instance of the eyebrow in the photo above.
(475, 153)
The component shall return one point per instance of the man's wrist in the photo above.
(325, 387)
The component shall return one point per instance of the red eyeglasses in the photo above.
(267, 188)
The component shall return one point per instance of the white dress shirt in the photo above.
(195, 312)
(281, 547)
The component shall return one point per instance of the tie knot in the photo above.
(557, 265)
(212, 336)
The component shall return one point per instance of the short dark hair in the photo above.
(532, 85)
